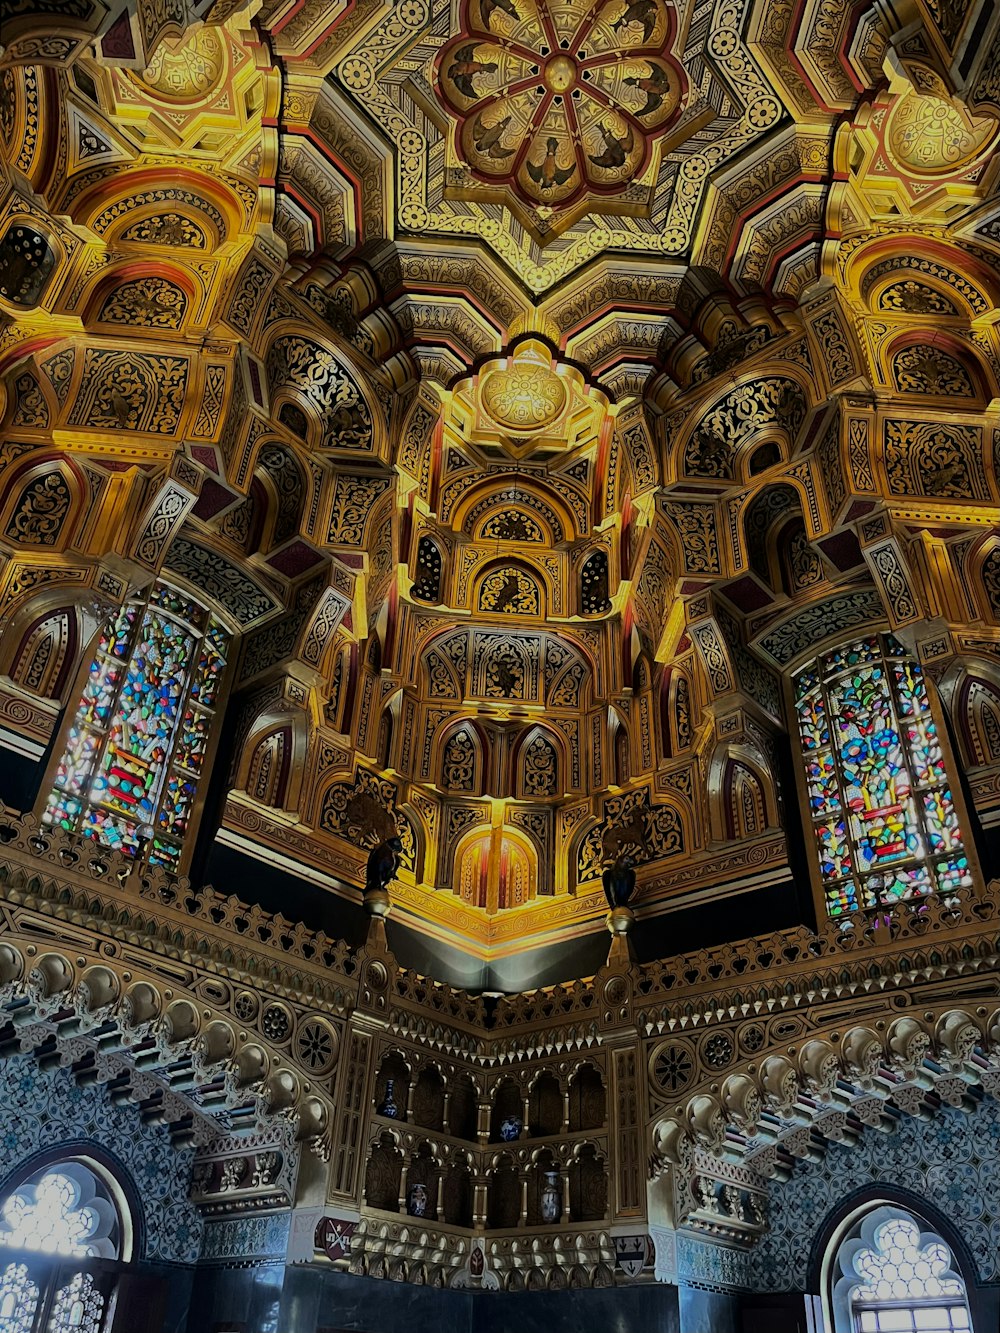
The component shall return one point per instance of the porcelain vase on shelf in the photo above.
(387, 1105)
(551, 1201)
(416, 1200)
(510, 1129)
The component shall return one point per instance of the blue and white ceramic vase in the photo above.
(387, 1105)
(510, 1129)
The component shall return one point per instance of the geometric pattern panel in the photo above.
(953, 1162)
(46, 1108)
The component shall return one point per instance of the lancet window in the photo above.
(883, 813)
(135, 750)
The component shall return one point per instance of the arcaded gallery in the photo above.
(500, 666)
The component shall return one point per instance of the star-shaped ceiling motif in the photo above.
(561, 102)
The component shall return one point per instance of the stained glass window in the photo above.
(66, 1239)
(135, 752)
(18, 1299)
(78, 1307)
(897, 1278)
(882, 808)
(64, 1210)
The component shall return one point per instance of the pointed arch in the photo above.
(594, 584)
(539, 764)
(741, 790)
(972, 691)
(45, 640)
(675, 717)
(41, 503)
(495, 868)
(269, 766)
(621, 750)
(465, 758)
(986, 564)
(44, 660)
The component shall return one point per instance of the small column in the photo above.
(445, 1109)
(524, 1199)
(403, 1181)
(480, 1201)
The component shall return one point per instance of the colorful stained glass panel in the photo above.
(883, 815)
(142, 728)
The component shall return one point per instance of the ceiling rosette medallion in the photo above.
(562, 105)
(527, 403)
(550, 136)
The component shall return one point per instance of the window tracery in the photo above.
(78, 1307)
(892, 1276)
(63, 1212)
(135, 750)
(18, 1299)
(883, 813)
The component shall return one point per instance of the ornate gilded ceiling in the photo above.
(561, 107)
(567, 130)
(527, 386)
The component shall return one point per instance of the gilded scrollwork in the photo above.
(511, 591)
(39, 511)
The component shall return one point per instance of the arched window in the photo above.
(882, 808)
(63, 1236)
(891, 1273)
(136, 748)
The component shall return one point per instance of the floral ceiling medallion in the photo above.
(527, 403)
(560, 103)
